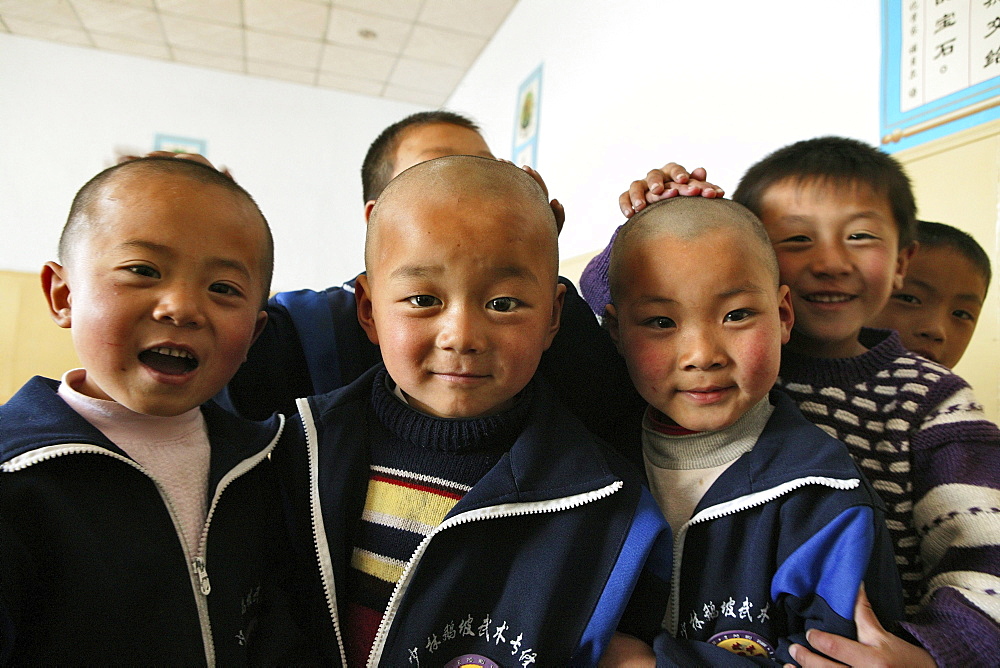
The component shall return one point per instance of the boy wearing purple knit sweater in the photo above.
(841, 217)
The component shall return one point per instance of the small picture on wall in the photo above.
(177, 144)
(529, 98)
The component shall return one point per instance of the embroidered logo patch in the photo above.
(743, 643)
(471, 661)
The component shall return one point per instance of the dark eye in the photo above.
(963, 315)
(143, 270)
(224, 289)
(738, 315)
(502, 304)
(906, 298)
(798, 238)
(861, 236)
(423, 301)
(660, 323)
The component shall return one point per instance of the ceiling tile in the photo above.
(402, 10)
(111, 19)
(291, 17)
(58, 12)
(222, 11)
(389, 34)
(285, 50)
(480, 18)
(212, 37)
(55, 33)
(415, 96)
(130, 46)
(209, 60)
(273, 71)
(350, 84)
(356, 62)
(426, 76)
(444, 46)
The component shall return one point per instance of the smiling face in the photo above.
(701, 324)
(461, 294)
(163, 291)
(838, 251)
(936, 310)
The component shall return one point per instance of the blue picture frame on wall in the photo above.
(940, 69)
(524, 149)
(176, 144)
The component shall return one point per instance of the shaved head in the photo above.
(687, 218)
(471, 183)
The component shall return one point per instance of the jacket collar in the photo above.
(36, 417)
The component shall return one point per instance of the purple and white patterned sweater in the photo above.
(917, 432)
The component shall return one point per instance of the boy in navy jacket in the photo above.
(774, 527)
(136, 518)
(459, 513)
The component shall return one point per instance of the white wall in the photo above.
(65, 110)
(628, 85)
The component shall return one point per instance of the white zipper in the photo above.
(729, 508)
(198, 571)
(491, 512)
(318, 526)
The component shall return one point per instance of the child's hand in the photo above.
(668, 181)
(557, 209)
(874, 647)
(627, 652)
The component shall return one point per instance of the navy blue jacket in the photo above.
(313, 344)
(543, 553)
(778, 545)
(92, 567)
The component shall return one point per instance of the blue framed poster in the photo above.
(940, 68)
(529, 103)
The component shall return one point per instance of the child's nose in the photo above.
(463, 330)
(931, 329)
(831, 259)
(179, 307)
(702, 352)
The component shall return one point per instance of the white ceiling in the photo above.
(409, 50)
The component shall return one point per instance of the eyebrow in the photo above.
(213, 262)
(733, 292)
(426, 271)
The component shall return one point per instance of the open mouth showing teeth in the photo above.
(169, 360)
(829, 299)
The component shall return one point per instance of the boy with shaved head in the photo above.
(460, 514)
(774, 527)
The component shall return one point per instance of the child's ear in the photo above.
(786, 314)
(557, 305)
(611, 324)
(57, 293)
(902, 262)
(259, 325)
(362, 295)
(369, 205)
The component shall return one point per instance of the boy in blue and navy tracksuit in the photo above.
(456, 511)
(774, 527)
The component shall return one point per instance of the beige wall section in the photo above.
(957, 181)
(30, 343)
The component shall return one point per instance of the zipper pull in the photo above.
(199, 568)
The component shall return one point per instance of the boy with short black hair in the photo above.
(841, 222)
(758, 498)
(460, 513)
(938, 306)
(137, 520)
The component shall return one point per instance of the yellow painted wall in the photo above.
(956, 181)
(30, 343)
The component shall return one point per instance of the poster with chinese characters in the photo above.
(940, 68)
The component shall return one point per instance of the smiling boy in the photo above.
(730, 462)
(460, 513)
(135, 518)
(937, 308)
